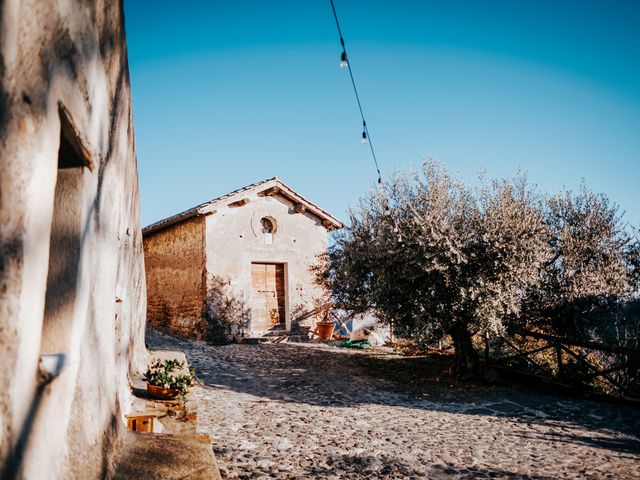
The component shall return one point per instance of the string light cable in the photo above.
(345, 63)
(366, 136)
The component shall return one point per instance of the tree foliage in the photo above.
(438, 259)
(593, 266)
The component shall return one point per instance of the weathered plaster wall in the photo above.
(73, 53)
(175, 262)
(234, 239)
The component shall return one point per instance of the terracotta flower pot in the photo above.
(325, 330)
(161, 393)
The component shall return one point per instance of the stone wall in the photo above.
(65, 102)
(199, 270)
(174, 263)
(234, 240)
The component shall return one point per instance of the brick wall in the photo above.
(174, 263)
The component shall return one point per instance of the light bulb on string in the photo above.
(344, 63)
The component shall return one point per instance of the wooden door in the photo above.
(267, 296)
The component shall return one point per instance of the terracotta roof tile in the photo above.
(208, 207)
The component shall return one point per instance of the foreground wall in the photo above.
(69, 221)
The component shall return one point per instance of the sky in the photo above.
(229, 93)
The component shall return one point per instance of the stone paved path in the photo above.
(313, 411)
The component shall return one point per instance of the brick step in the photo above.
(274, 336)
(276, 333)
(253, 340)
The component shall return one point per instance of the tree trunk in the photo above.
(465, 362)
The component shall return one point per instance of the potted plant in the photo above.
(325, 327)
(164, 380)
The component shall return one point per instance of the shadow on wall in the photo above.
(77, 58)
(13, 467)
(16, 457)
(61, 55)
(225, 314)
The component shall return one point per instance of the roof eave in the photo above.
(209, 208)
(168, 222)
(286, 191)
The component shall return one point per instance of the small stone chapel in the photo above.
(258, 242)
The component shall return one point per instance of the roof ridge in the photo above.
(198, 209)
(187, 213)
(302, 197)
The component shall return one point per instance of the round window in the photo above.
(267, 225)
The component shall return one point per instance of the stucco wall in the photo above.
(174, 262)
(234, 239)
(73, 53)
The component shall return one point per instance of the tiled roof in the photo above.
(208, 207)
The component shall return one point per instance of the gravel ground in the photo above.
(316, 411)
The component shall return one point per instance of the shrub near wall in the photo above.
(225, 315)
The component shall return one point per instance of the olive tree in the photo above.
(430, 256)
(593, 268)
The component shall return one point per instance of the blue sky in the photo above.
(228, 93)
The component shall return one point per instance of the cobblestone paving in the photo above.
(315, 411)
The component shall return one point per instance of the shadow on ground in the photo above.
(329, 376)
(366, 466)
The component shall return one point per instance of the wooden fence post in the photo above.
(559, 359)
(486, 346)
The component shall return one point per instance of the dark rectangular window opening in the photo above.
(71, 153)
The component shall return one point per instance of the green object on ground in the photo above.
(355, 344)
